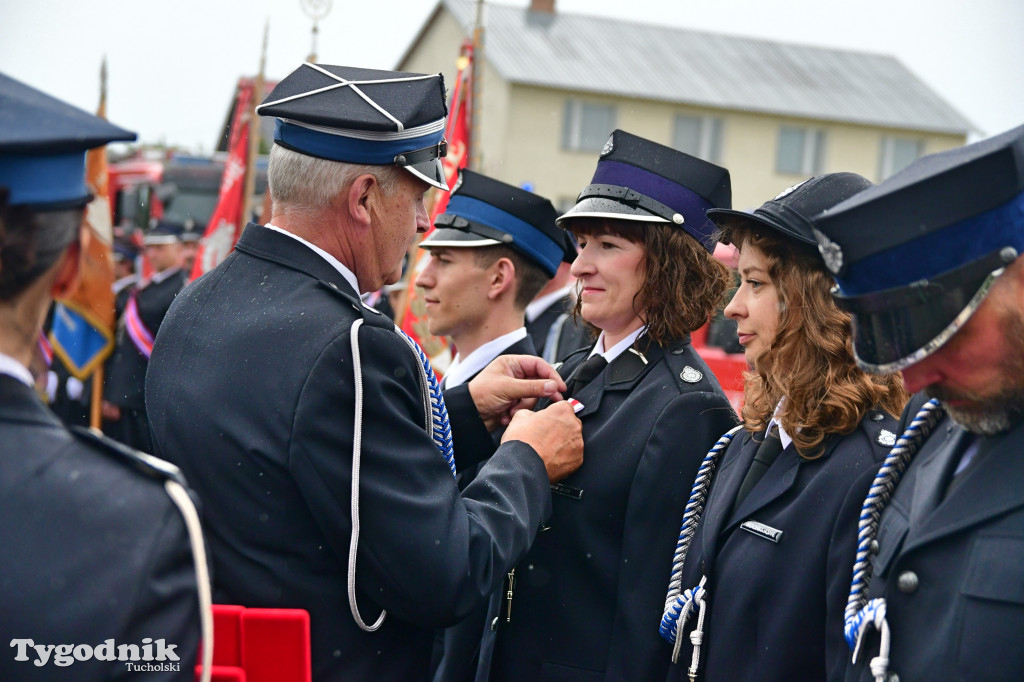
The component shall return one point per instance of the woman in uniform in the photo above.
(580, 605)
(96, 550)
(765, 578)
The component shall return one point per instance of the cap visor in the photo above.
(726, 218)
(889, 340)
(447, 236)
(599, 207)
(431, 172)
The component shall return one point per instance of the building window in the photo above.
(801, 151)
(587, 125)
(897, 153)
(699, 136)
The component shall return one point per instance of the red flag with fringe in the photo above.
(226, 223)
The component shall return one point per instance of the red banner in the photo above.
(413, 321)
(226, 223)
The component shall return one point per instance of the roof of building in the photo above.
(663, 63)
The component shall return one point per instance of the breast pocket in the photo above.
(993, 610)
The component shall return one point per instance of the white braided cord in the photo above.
(679, 603)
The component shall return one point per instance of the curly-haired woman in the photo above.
(583, 599)
(771, 552)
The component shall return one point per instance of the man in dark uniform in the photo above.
(307, 419)
(928, 263)
(98, 553)
(554, 330)
(492, 250)
(124, 391)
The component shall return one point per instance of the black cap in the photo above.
(915, 255)
(483, 211)
(637, 179)
(363, 116)
(42, 147)
(791, 211)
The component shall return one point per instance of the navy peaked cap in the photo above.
(363, 116)
(791, 211)
(637, 179)
(42, 146)
(915, 255)
(483, 211)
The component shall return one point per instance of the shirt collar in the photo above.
(13, 368)
(462, 369)
(538, 305)
(619, 348)
(162, 275)
(783, 436)
(335, 263)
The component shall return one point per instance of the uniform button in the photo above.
(874, 547)
(907, 582)
(877, 417)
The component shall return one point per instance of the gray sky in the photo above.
(173, 65)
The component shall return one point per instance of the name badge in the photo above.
(762, 531)
(567, 490)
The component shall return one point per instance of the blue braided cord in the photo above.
(871, 615)
(441, 430)
(675, 600)
(881, 490)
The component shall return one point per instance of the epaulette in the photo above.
(690, 372)
(371, 316)
(881, 430)
(151, 466)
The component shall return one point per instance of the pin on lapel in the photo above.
(576, 405)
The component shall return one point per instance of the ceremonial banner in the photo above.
(226, 223)
(82, 333)
(414, 322)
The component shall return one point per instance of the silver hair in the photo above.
(298, 180)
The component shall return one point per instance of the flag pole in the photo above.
(96, 398)
(254, 135)
(477, 77)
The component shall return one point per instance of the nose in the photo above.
(921, 375)
(422, 219)
(735, 308)
(582, 266)
(425, 278)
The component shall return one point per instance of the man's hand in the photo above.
(512, 383)
(555, 433)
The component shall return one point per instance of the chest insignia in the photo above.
(887, 438)
(762, 531)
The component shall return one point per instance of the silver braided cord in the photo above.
(861, 615)
(679, 603)
(437, 424)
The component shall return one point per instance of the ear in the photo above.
(503, 278)
(360, 199)
(68, 270)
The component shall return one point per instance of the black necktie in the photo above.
(584, 374)
(766, 453)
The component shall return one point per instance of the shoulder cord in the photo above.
(437, 425)
(679, 603)
(861, 616)
(195, 536)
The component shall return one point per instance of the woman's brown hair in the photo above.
(682, 284)
(810, 361)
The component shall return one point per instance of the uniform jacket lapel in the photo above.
(622, 374)
(932, 474)
(724, 486)
(990, 489)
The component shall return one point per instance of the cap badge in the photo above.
(789, 190)
(831, 252)
(690, 375)
(608, 146)
(887, 438)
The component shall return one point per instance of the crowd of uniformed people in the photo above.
(575, 499)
